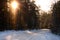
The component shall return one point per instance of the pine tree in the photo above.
(56, 18)
(28, 16)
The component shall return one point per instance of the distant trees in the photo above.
(56, 18)
(45, 20)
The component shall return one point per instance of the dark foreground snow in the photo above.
(43, 34)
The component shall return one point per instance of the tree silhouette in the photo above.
(3, 15)
(56, 18)
(33, 19)
(5, 21)
(28, 18)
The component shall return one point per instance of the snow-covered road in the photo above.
(42, 34)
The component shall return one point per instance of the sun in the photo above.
(14, 5)
(44, 4)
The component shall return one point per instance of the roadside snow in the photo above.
(42, 34)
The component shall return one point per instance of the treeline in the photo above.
(45, 20)
(27, 17)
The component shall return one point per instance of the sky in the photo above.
(45, 5)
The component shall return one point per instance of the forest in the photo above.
(29, 18)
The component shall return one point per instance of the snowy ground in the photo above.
(42, 34)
